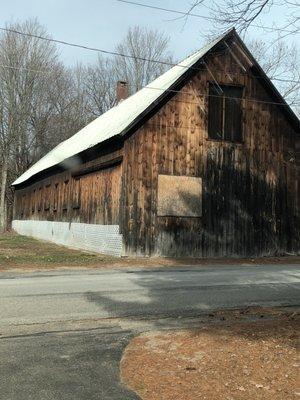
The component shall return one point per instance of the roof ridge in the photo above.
(119, 119)
(114, 121)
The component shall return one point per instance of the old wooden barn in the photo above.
(202, 162)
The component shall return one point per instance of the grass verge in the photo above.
(17, 251)
(26, 253)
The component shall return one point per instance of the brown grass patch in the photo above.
(23, 252)
(26, 253)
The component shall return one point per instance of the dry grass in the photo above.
(231, 361)
(23, 252)
(18, 251)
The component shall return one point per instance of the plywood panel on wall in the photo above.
(179, 196)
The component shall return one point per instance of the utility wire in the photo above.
(115, 53)
(215, 95)
(198, 69)
(24, 69)
(175, 91)
(195, 15)
(118, 54)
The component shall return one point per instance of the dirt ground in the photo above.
(234, 359)
(25, 253)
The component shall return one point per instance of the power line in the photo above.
(165, 9)
(24, 69)
(198, 69)
(170, 90)
(228, 72)
(212, 95)
(195, 15)
(115, 53)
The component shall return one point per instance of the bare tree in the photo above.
(22, 60)
(100, 86)
(281, 64)
(59, 109)
(146, 45)
(41, 103)
(143, 46)
(245, 13)
(278, 59)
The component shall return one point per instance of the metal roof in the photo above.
(123, 116)
(117, 119)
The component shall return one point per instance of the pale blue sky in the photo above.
(102, 23)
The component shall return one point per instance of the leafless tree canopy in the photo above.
(101, 77)
(100, 86)
(42, 102)
(244, 13)
(147, 44)
(279, 57)
(280, 61)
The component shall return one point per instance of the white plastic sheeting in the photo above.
(118, 118)
(99, 238)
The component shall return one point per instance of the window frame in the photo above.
(224, 139)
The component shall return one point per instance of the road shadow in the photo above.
(147, 301)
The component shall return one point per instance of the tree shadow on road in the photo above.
(182, 307)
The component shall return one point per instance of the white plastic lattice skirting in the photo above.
(104, 239)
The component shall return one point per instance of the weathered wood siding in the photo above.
(88, 194)
(250, 190)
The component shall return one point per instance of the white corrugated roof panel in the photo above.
(117, 119)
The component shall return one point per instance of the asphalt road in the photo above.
(171, 292)
(62, 336)
(71, 365)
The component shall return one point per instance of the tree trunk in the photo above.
(2, 196)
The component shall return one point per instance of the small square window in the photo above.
(225, 113)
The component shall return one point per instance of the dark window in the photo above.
(65, 195)
(47, 197)
(76, 193)
(55, 197)
(225, 113)
(40, 199)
